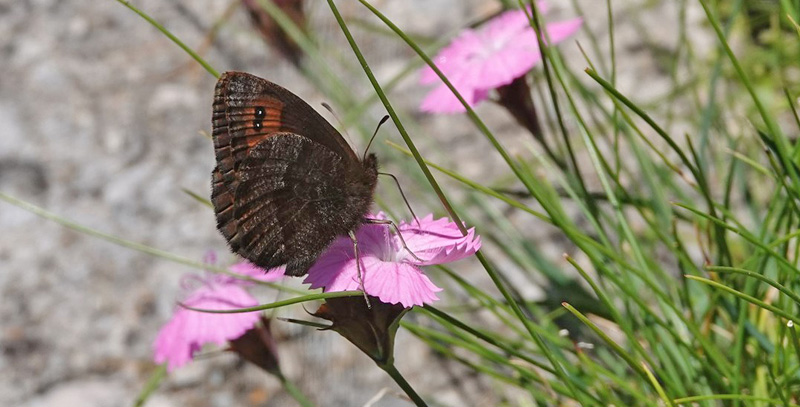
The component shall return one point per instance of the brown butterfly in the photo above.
(286, 183)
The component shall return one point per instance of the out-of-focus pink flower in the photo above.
(389, 271)
(248, 269)
(482, 59)
(187, 331)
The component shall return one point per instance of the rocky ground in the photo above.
(100, 122)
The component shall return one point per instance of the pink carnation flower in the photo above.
(389, 271)
(482, 59)
(187, 331)
(248, 269)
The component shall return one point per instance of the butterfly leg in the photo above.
(396, 230)
(358, 268)
(402, 194)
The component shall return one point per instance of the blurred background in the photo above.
(103, 120)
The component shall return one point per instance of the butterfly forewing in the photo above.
(248, 109)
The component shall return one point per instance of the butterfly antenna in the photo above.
(385, 118)
(336, 116)
(402, 194)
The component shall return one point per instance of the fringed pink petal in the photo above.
(442, 100)
(398, 283)
(451, 58)
(248, 269)
(188, 330)
(437, 241)
(482, 59)
(388, 271)
(563, 29)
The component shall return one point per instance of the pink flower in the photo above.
(248, 269)
(187, 331)
(389, 271)
(482, 59)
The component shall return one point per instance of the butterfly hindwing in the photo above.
(290, 203)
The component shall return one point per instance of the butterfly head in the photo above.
(367, 177)
(370, 164)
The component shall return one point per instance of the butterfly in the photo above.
(286, 183)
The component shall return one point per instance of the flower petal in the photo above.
(442, 100)
(389, 272)
(251, 270)
(482, 59)
(511, 62)
(456, 56)
(437, 241)
(335, 270)
(398, 283)
(506, 26)
(188, 330)
(391, 282)
(561, 30)
(452, 57)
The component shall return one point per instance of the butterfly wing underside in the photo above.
(286, 183)
(288, 205)
(248, 109)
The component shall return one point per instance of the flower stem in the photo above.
(295, 392)
(401, 381)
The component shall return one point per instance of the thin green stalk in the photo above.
(492, 341)
(769, 120)
(701, 180)
(204, 201)
(742, 397)
(785, 290)
(152, 384)
(172, 37)
(657, 386)
(624, 323)
(747, 298)
(629, 359)
(279, 304)
(475, 185)
(395, 119)
(546, 54)
(41, 212)
(401, 381)
(295, 392)
(743, 232)
(790, 101)
(318, 71)
(795, 340)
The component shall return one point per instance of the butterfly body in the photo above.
(286, 184)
